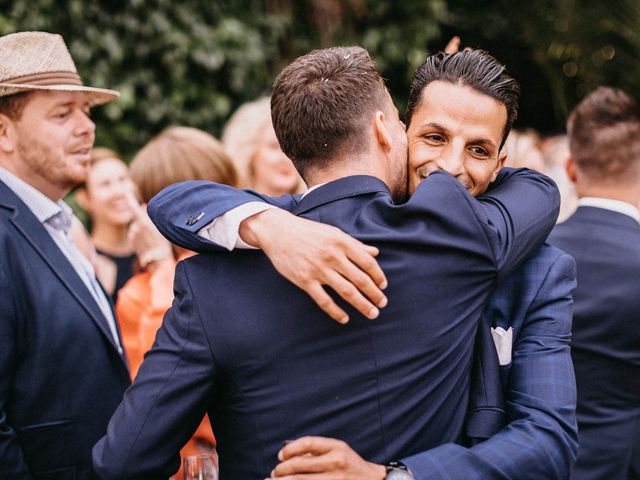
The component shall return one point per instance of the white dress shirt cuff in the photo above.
(224, 230)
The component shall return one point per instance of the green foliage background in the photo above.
(193, 62)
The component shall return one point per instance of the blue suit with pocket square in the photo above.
(525, 407)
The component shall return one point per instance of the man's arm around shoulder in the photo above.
(182, 209)
(516, 214)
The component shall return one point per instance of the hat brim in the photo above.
(97, 96)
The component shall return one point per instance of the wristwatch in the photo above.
(397, 471)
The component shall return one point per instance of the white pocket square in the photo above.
(503, 340)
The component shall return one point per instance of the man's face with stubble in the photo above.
(459, 130)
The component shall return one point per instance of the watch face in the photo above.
(398, 474)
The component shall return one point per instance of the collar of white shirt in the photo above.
(312, 189)
(613, 205)
(42, 206)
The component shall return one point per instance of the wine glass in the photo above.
(200, 467)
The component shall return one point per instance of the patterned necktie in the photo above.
(61, 222)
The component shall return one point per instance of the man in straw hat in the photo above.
(62, 368)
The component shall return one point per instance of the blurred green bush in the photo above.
(192, 62)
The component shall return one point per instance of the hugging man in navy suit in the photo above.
(62, 368)
(250, 348)
(530, 311)
(603, 235)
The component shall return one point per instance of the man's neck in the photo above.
(35, 180)
(346, 168)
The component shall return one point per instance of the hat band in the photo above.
(46, 78)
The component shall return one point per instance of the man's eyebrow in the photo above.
(62, 103)
(484, 141)
(69, 104)
(479, 140)
(435, 125)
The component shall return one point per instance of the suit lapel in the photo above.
(37, 236)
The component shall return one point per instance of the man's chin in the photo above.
(77, 177)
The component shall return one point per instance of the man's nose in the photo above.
(452, 161)
(84, 125)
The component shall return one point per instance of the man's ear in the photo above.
(382, 134)
(6, 134)
(502, 158)
(571, 170)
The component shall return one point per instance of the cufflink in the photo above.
(192, 219)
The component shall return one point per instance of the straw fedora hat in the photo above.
(41, 61)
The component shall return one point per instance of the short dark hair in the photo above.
(321, 103)
(471, 68)
(13, 105)
(604, 134)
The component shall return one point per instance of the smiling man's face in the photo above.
(52, 141)
(459, 130)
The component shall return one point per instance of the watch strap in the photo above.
(397, 470)
(395, 466)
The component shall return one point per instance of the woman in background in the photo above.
(251, 142)
(177, 154)
(105, 198)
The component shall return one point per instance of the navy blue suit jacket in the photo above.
(606, 339)
(250, 348)
(540, 440)
(61, 376)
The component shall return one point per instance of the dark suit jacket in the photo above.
(606, 338)
(253, 350)
(541, 436)
(61, 376)
(540, 440)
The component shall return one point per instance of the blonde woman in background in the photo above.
(177, 154)
(251, 142)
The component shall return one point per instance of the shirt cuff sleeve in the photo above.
(224, 229)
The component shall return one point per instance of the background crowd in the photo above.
(194, 63)
(212, 81)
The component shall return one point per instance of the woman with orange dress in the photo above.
(176, 154)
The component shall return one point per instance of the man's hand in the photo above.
(453, 46)
(324, 458)
(311, 254)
